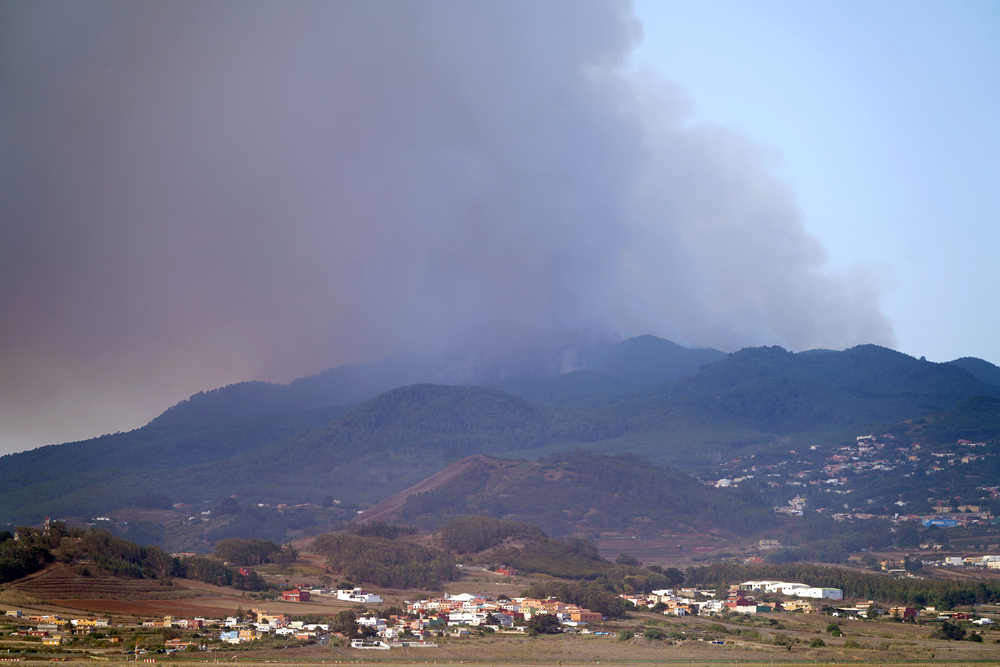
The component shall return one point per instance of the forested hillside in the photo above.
(344, 385)
(976, 418)
(162, 447)
(749, 402)
(385, 561)
(981, 370)
(638, 361)
(583, 492)
(95, 552)
(93, 476)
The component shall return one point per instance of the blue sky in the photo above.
(884, 118)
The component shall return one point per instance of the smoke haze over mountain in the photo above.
(202, 193)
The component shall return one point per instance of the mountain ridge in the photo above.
(640, 361)
(748, 401)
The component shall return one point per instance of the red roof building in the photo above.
(295, 596)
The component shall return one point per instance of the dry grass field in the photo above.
(569, 650)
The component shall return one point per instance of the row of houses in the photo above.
(357, 595)
(737, 601)
(171, 621)
(990, 561)
(468, 609)
(239, 631)
(52, 629)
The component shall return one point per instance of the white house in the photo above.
(358, 595)
(467, 618)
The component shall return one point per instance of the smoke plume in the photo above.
(201, 193)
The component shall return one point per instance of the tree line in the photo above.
(105, 552)
(390, 563)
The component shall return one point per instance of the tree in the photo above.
(907, 535)
(949, 631)
(626, 559)
(544, 624)
(345, 622)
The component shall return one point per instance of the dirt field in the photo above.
(569, 650)
(62, 589)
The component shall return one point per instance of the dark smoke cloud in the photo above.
(201, 193)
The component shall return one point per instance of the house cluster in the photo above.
(238, 631)
(171, 621)
(821, 470)
(304, 593)
(739, 599)
(500, 613)
(52, 629)
(680, 603)
(870, 609)
(989, 561)
(398, 632)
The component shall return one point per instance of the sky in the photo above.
(882, 117)
(196, 194)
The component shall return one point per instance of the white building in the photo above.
(793, 589)
(819, 593)
(711, 606)
(358, 595)
(467, 618)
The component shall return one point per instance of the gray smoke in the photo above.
(202, 193)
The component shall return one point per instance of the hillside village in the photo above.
(839, 481)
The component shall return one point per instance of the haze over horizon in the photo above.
(200, 194)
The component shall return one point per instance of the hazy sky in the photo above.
(195, 194)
